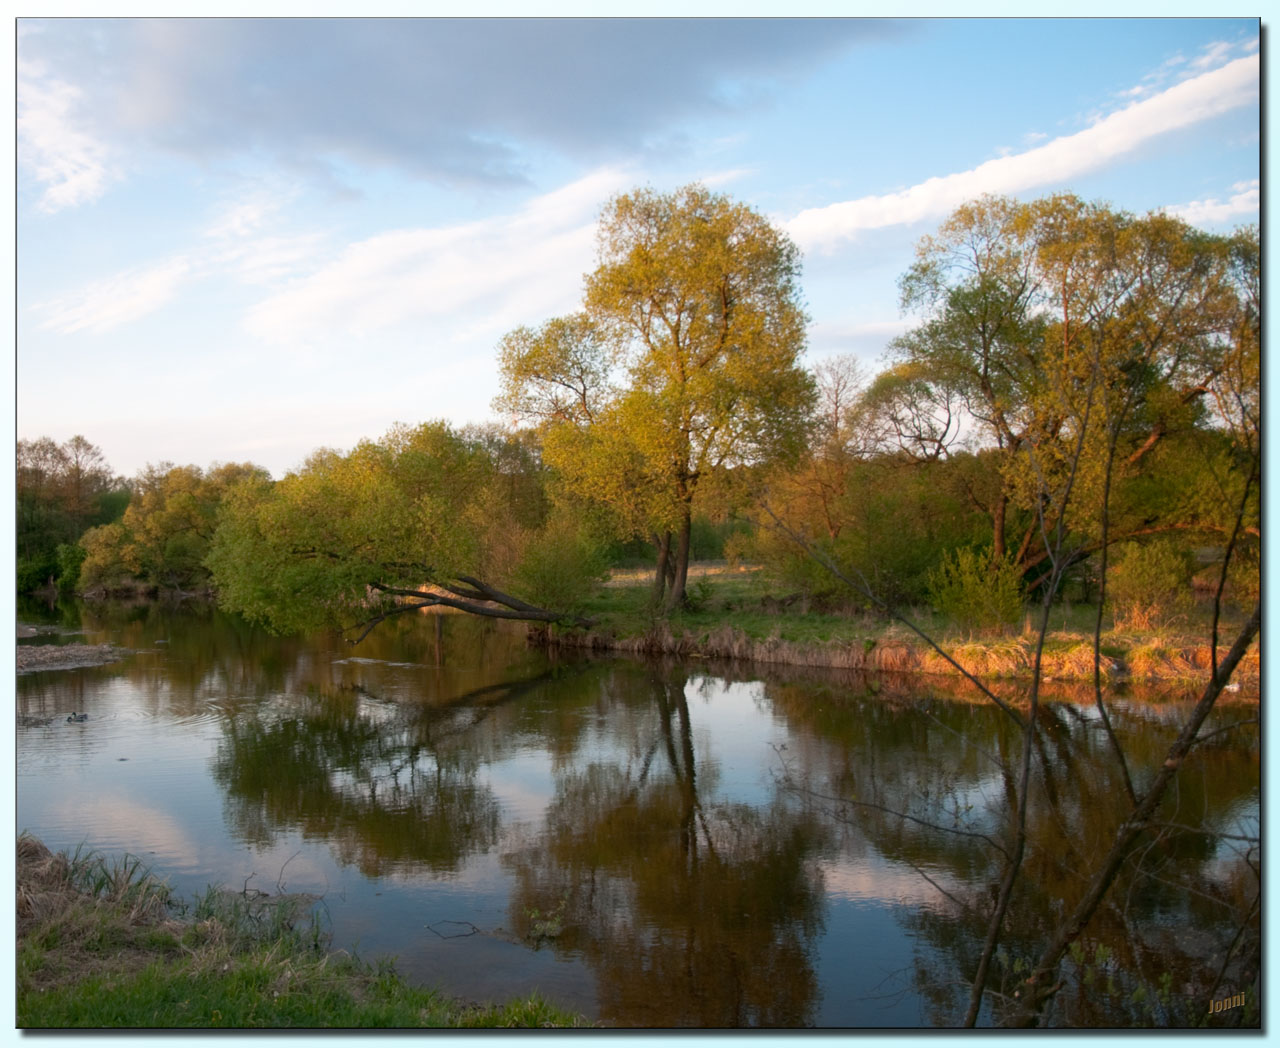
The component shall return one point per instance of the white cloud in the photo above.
(1191, 101)
(722, 178)
(233, 243)
(242, 218)
(512, 267)
(1213, 55)
(117, 300)
(73, 165)
(272, 259)
(1246, 200)
(243, 245)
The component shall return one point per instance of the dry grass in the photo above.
(739, 618)
(86, 914)
(995, 659)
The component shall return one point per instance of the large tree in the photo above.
(1058, 320)
(684, 362)
(62, 489)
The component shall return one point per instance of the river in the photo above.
(651, 843)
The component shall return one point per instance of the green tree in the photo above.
(166, 531)
(418, 519)
(683, 362)
(1058, 322)
(61, 490)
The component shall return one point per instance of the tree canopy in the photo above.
(1058, 321)
(684, 361)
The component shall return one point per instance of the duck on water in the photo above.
(77, 717)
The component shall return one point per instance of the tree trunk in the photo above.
(676, 596)
(660, 572)
(997, 528)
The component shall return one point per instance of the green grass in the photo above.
(106, 945)
(748, 601)
(264, 987)
(759, 607)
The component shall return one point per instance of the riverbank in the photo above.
(736, 615)
(31, 658)
(106, 945)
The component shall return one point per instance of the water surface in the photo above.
(649, 843)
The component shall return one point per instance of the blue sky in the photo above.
(242, 240)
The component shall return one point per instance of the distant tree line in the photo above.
(672, 417)
(61, 490)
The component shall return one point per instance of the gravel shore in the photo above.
(32, 658)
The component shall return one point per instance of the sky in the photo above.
(242, 240)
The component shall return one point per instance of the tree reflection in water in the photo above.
(386, 784)
(694, 903)
(929, 785)
(690, 913)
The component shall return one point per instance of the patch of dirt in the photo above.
(32, 658)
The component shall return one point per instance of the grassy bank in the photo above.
(104, 944)
(744, 615)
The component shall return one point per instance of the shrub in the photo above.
(562, 564)
(1148, 585)
(70, 558)
(33, 572)
(975, 592)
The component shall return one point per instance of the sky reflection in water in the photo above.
(641, 841)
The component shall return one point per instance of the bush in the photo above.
(1244, 577)
(562, 565)
(976, 593)
(1149, 585)
(69, 557)
(34, 572)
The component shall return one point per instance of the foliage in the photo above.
(423, 517)
(70, 557)
(1149, 584)
(1060, 324)
(62, 489)
(34, 572)
(167, 528)
(885, 518)
(683, 362)
(977, 592)
(563, 564)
